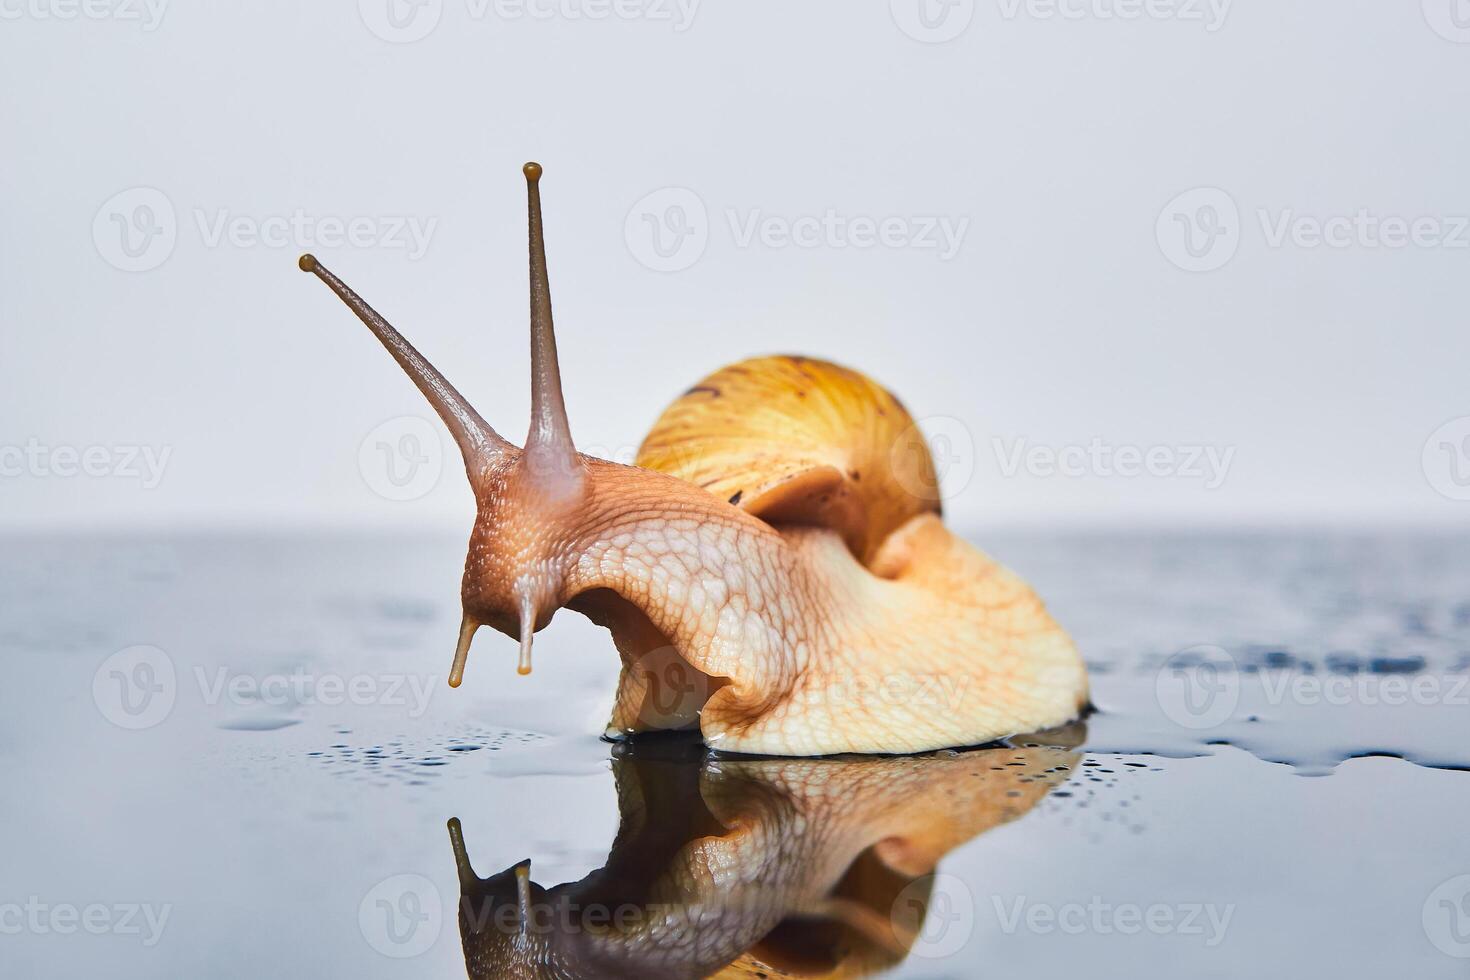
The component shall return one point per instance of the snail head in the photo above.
(527, 497)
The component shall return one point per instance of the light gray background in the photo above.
(1062, 319)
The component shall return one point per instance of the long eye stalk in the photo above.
(549, 471)
(478, 442)
(550, 435)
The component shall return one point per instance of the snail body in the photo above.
(774, 569)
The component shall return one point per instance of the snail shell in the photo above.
(796, 440)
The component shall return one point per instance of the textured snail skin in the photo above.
(710, 859)
(807, 652)
(825, 613)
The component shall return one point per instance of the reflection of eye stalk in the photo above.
(739, 867)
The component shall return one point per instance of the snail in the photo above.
(774, 569)
(756, 867)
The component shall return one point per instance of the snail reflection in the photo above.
(756, 867)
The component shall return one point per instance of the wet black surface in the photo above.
(286, 814)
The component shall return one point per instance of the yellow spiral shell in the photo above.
(797, 440)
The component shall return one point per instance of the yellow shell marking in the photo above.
(796, 440)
